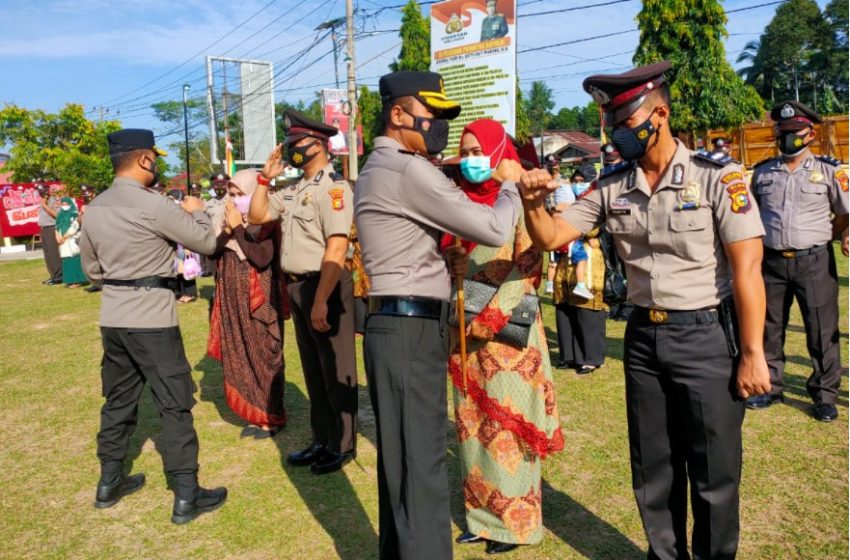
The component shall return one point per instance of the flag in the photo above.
(228, 150)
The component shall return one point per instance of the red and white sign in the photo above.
(333, 103)
(21, 202)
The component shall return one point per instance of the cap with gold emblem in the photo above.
(620, 95)
(610, 153)
(793, 115)
(298, 126)
(130, 139)
(427, 87)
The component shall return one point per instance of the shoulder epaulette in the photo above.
(407, 152)
(618, 168)
(764, 161)
(830, 160)
(717, 158)
(337, 176)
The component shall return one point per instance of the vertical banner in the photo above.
(473, 46)
(334, 114)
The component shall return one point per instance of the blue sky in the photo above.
(103, 53)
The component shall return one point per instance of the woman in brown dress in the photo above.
(246, 332)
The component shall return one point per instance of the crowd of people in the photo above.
(381, 257)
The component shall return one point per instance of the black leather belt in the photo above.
(300, 277)
(406, 306)
(664, 317)
(148, 282)
(793, 253)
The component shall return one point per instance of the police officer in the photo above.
(402, 204)
(610, 157)
(680, 220)
(803, 204)
(316, 217)
(47, 210)
(127, 245)
(494, 25)
(722, 145)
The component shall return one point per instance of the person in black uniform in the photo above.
(803, 204)
(127, 246)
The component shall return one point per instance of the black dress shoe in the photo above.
(52, 282)
(306, 457)
(760, 402)
(248, 431)
(332, 462)
(584, 370)
(109, 494)
(92, 289)
(494, 547)
(205, 500)
(824, 412)
(469, 538)
(565, 364)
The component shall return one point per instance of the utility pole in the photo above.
(332, 25)
(352, 92)
(186, 132)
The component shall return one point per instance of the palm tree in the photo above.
(755, 74)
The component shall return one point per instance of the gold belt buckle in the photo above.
(789, 254)
(658, 316)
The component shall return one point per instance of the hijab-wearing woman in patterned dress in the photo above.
(246, 326)
(507, 419)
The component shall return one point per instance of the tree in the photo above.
(312, 110)
(65, 146)
(369, 113)
(837, 60)
(538, 105)
(705, 90)
(522, 127)
(171, 113)
(415, 33)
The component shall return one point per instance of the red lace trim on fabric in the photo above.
(249, 412)
(513, 422)
(256, 297)
(214, 339)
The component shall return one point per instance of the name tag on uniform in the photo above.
(288, 197)
(621, 207)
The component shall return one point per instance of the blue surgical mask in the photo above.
(476, 169)
(580, 188)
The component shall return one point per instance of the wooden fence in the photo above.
(755, 142)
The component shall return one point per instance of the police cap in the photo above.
(427, 87)
(610, 153)
(298, 126)
(130, 139)
(793, 115)
(219, 178)
(620, 95)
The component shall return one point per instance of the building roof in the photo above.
(558, 141)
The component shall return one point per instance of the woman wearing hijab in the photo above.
(505, 411)
(67, 234)
(246, 327)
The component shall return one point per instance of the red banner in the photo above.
(19, 215)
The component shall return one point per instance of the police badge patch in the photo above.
(739, 197)
(337, 199)
(841, 177)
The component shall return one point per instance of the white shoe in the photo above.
(550, 287)
(582, 292)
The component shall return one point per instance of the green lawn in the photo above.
(794, 494)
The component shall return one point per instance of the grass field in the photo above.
(794, 493)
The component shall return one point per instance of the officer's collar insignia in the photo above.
(678, 174)
(807, 164)
(787, 111)
(632, 180)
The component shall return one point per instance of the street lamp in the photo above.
(186, 131)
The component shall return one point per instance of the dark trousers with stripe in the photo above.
(52, 259)
(581, 335)
(406, 360)
(328, 361)
(131, 358)
(813, 281)
(684, 430)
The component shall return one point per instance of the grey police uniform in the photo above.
(797, 208)
(684, 416)
(402, 205)
(127, 243)
(311, 211)
(47, 225)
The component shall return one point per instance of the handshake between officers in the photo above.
(127, 244)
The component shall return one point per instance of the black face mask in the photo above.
(297, 155)
(790, 144)
(154, 171)
(435, 132)
(632, 142)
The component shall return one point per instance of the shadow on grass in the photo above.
(796, 385)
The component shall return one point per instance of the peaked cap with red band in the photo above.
(298, 126)
(620, 95)
(793, 115)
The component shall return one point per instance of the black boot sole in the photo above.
(183, 519)
(108, 504)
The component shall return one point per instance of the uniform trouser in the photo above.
(328, 362)
(684, 427)
(406, 360)
(132, 357)
(812, 280)
(581, 334)
(52, 259)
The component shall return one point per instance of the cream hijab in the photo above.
(246, 181)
